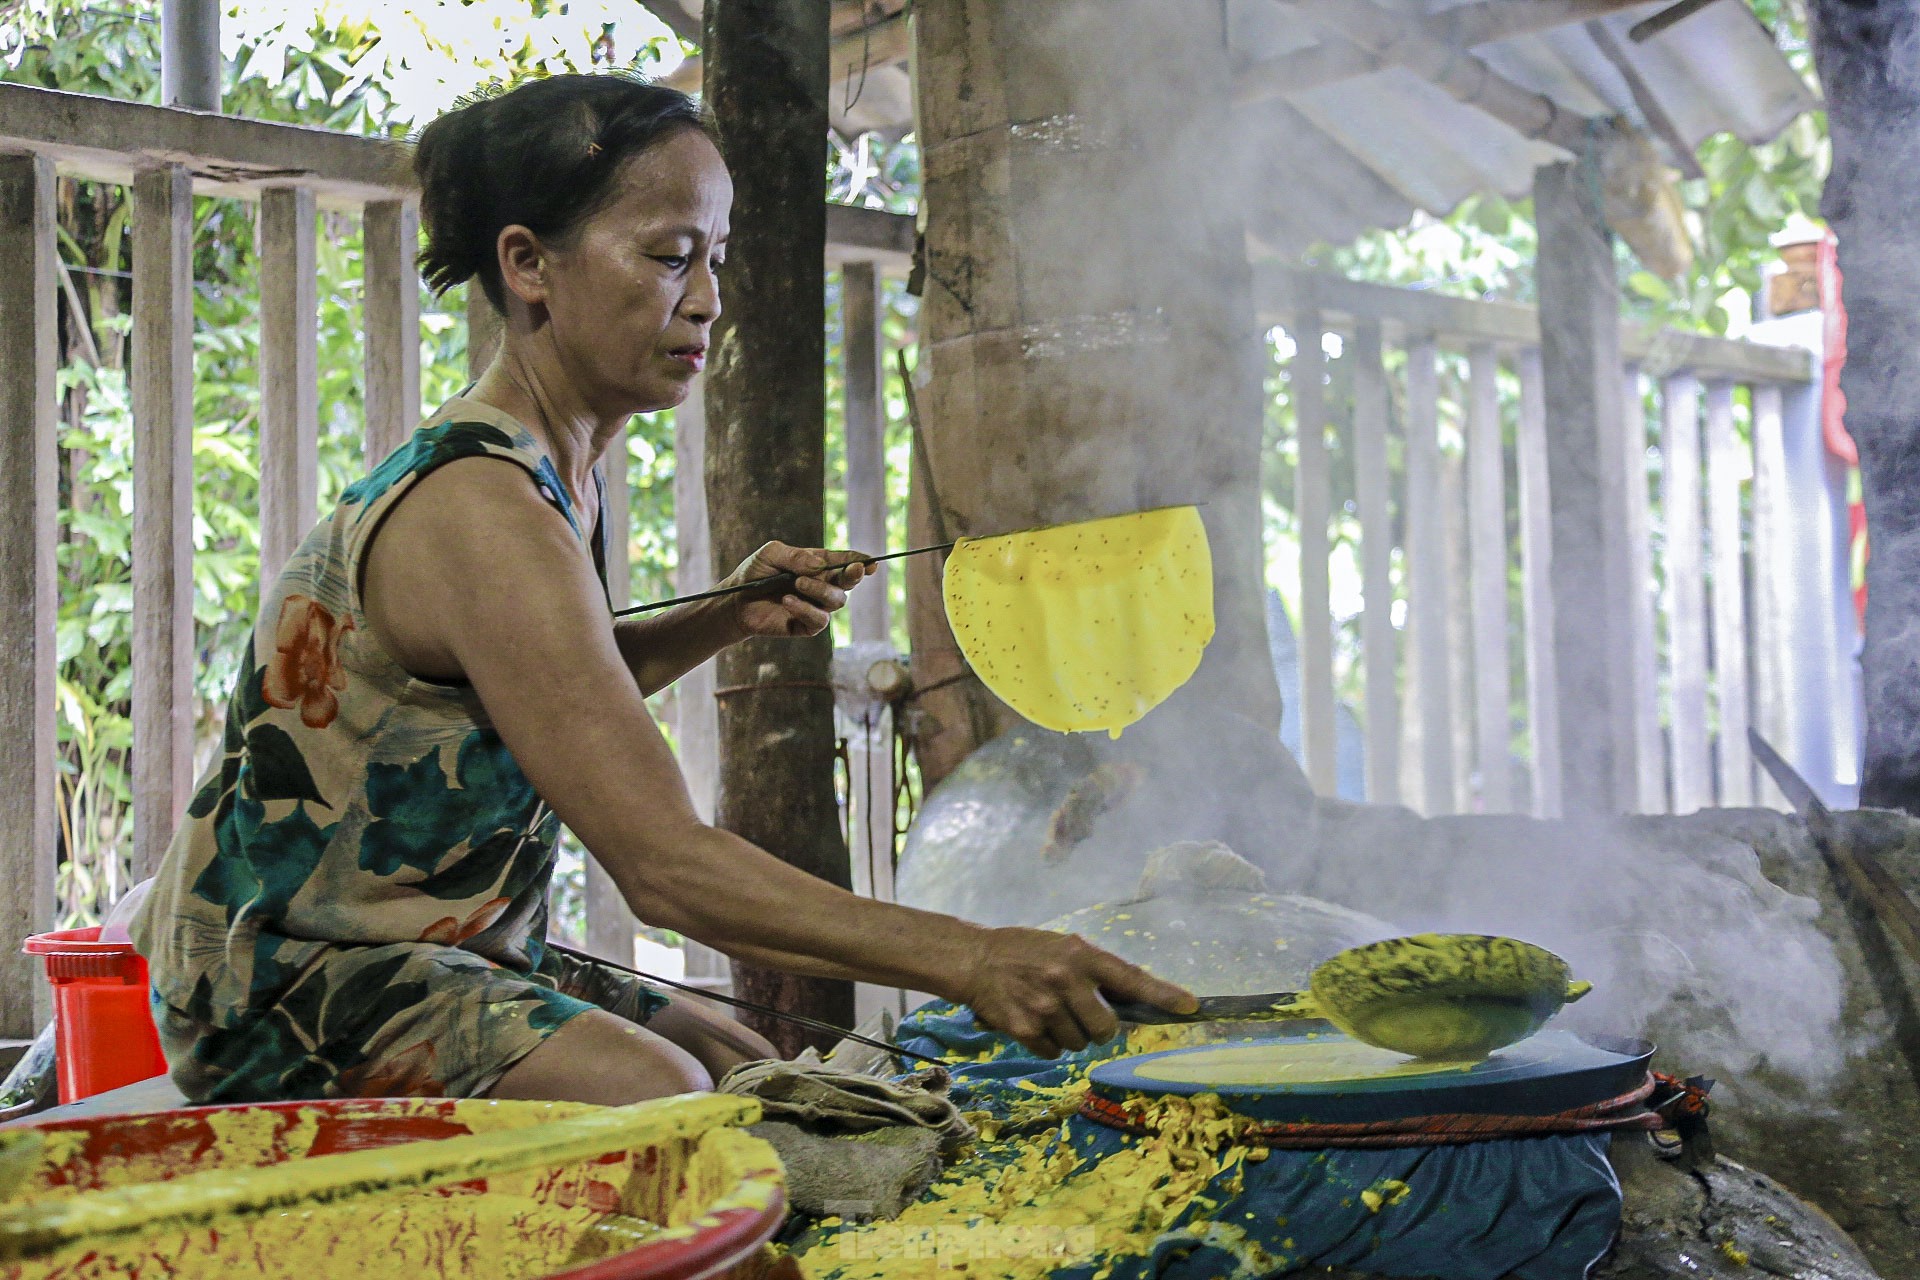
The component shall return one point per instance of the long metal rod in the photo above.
(787, 577)
(768, 583)
(799, 1018)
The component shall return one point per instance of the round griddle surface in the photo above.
(1329, 1078)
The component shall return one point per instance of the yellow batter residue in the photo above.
(429, 1235)
(532, 1189)
(1085, 626)
(1281, 1062)
(1385, 1194)
(1025, 1207)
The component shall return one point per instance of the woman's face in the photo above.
(631, 295)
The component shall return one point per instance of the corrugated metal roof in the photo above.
(1717, 71)
(1332, 161)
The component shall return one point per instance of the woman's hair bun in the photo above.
(543, 155)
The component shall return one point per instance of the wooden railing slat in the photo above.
(289, 375)
(390, 237)
(1680, 507)
(1771, 637)
(29, 745)
(1428, 650)
(1281, 291)
(1536, 585)
(697, 726)
(1372, 486)
(610, 925)
(1459, 605)
(1487, 550)
(1312, 505)
(1643, 664)
(163, 508)
(863, 344)
(1732, 691)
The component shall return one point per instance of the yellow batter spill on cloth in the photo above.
(1028, 1206)
(1085, 626)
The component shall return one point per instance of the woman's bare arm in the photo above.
(661, 648)
(474, 576)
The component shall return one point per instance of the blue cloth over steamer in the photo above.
(1534, 1208)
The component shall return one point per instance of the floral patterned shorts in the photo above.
(404, 1019)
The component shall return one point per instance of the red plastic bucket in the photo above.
(103, 1028)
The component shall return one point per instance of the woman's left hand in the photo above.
(804, 608)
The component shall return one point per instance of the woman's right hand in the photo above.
(1043, 989)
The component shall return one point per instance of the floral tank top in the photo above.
(351, 802)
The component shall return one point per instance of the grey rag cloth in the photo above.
(853, 1145)
(856, 1176)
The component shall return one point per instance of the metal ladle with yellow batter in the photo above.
(1448, 996)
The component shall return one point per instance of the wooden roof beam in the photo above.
(1462, 27)
(1397, 41)
(1656, 115)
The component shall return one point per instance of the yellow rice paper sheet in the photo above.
(1085, 626)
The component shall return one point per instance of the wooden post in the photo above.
(29, 742)
(1312, 507)
(289, 376)
(610, 925)
(863, 342)
(163, 508)
(1733, 698)
(869, 745)
(1536, 586)
(766, 83)
(1649, 793)
(1580, 369)
(390, 237)
(1427, 579)
(1770, 634)
(483, 330)
(1372, 486)
(1686, 590)
(1487, 548)
(696, 717)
